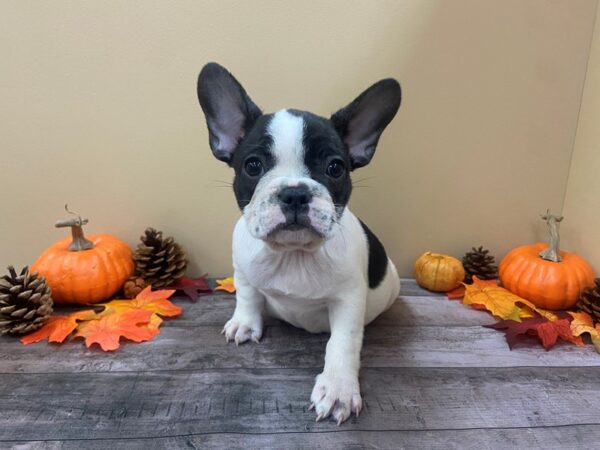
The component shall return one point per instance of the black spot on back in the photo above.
(377, 258)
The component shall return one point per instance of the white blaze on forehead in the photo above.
(287, 132)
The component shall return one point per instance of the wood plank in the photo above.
(406, 311)
(283, 346)
(409, 287)
(574, 437)
(161, 404)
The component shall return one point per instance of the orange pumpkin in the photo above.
(544, 275)
(81, 270)
(438, 272)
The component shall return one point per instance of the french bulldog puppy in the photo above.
(299, 254)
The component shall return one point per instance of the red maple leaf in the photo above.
(193, 287)
(547, 331)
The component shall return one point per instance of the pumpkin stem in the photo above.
(79, 242)
(552, 253)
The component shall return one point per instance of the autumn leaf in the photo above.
(154, 324)
(501, 302)
(193, 287)
(226, 284)
(138, 320)
(149, 300)
(108, 330)
(459, 292)
(57, 328)
(456, 294)
(583, 323)
(547, 331)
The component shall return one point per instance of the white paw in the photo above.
(337, 396)
(241, 328)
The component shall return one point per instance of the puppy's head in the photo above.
(292, 168)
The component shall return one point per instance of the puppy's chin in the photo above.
(294, 238)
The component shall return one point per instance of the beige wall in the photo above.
(99, 110)
(581, 226)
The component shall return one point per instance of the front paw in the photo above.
(338, 396)
(241, 328)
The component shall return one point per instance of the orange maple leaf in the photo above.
(138, 320)
(582, 323)
(58, 327)
(107, 330)
(226, 284)
(154, 301)
(459, 292)
(501, 302)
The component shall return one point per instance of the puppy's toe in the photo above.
(341, 412)
(245, 333)
(242, 330)
(336, 396)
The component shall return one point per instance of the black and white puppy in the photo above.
(299, 254)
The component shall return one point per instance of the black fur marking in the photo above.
(377, 258)
(256, 143)
(322, 144)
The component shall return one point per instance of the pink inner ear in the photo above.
(229, 129)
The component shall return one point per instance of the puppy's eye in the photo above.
(335, 169)
(253, 166)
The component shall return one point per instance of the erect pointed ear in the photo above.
(361, 123)
(228, 110)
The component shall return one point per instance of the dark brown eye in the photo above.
(335, 169)
(253, 167)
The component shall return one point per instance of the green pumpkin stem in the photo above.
(79, 242)
(552, 253)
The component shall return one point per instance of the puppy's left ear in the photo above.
(229, 111)
(361, 123)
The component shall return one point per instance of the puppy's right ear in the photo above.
(229, 112)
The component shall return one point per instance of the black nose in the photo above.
(295, 198)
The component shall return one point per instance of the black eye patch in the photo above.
(252, 153)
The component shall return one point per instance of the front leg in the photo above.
(246, 322)
(336, 390)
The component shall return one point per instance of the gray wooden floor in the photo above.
(431, 377)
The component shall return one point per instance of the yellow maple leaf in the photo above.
(583, 323)
(501, 302)
(226, 284)
(154, 301)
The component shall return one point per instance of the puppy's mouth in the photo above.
(294, 234)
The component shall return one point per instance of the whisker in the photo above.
(362, 179)
(221, 181)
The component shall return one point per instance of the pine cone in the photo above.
(133, 286)
(25, 302)
(160, 262)
(477, 262)
(589, 301)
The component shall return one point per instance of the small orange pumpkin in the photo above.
(81, 270)
(541, 273)
(438, 272)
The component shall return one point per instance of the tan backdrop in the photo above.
(581, 226)
(99, 110)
